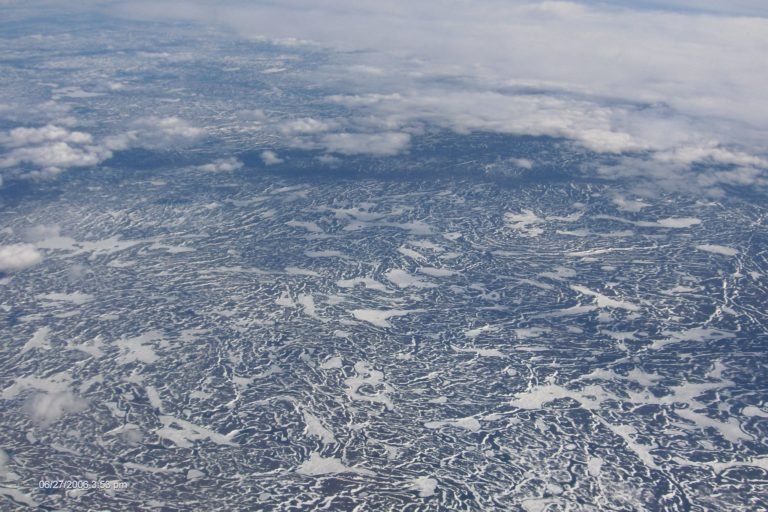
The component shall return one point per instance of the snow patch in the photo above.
(333, 362)
(718, 249)
(482, 352)
(526, 223)
(404, 280)
(367, 377)
(184, 433)
(76, 298)
(316, 428)
(468, 423)
(604, 301)
(318, 465)
(38, 340)
(379, 317)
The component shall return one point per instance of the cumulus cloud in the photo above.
(675, 176)
(16, 257)
(49, 149)
(600, 128)
(522, 163)
(46, 408)
(56, 155)
(306, 125)
(163, 132)
(329, 160)
(270, 158)
(26, 136)
(380, 144)
(44, 173)
(710, 152)
(155, 133)
(46, 151)
(222, 165)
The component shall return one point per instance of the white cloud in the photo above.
(676, 176)
(303, 126)
(50, 133)
(45, 173)
(601, 128)
(710, 152)
(46, 408)
(329, 160)
(222, 165)
(379, 144)
(615, 77)
(56, 155)
(358, 100)
(367, 70)
(674, 83)
(51, 149)
(523, 163)
(17, 257)
(256, 115)
(155, 133)
(165, 131)
(270, 158)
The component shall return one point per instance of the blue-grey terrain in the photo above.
(218, 290)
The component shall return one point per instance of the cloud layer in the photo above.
(678, 80)
(696, 63)
(660, 89)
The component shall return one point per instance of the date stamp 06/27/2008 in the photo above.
(83, 485)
